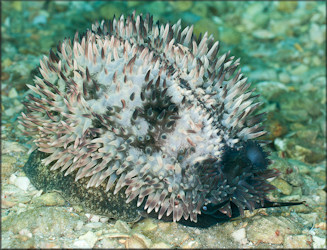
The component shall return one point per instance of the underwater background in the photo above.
(282, 47)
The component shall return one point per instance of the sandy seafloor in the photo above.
(282, 47)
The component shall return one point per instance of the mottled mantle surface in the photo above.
(93, 200)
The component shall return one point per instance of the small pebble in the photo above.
(95, 218)
(161, 245)
(299, 70)
(20, 182)
(282, 185)
(146, 225)
(104, 219)
(138, 241)
(81, 244)
(190, 244)
(271, 89)
(321, 225)
(263, 34)
(12, 93)
(310, 217)
(26, 232)
(7, 204)
(90, 238)
(269, 229)
(109, 243)
(122, 226)
(317, 33)
(94, 225)
(240, 236)
(284, 77)
(297, 241)
(280, 144)
(79, 225)
(99, 233)
(319, 242)
(49, 199)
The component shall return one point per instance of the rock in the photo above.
(269, 229)
(138, 241)
(81, 244)
(7, 204)
(304, 134)
(26, 232)
(13, 93)
(104, 219)
(299, 70)
(284, 77)
(161, 245)
(292, 177)
(318, 242)
(297, 189)
(310, 186)
(291, 198)
(10, 112)
(300, 208)
(321, 225)
(317, 33)
(122, 226)
(287, 6)
(41, 19)
(109, 243)
(292, 115)
(49, 199)
(307, 153)
(310, 218)
(263, 34)
(7, 165)
(44, 220)
(282, 186)
(297, 241)
(99, 232)
(280, 144)
(276, 128)
(95, 218)
(240, 235)
(271, 90)
(181, 6)
(10, 147)
(20, 182)
(301, 166)
(190, 244)
(146, 225)
(94, 225)
(79, 225)
(262, 75)
(12, 193)
(253, 9)
(90, 238)
(10, 241)
(18, 6)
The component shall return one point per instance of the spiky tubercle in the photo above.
(151, 108)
